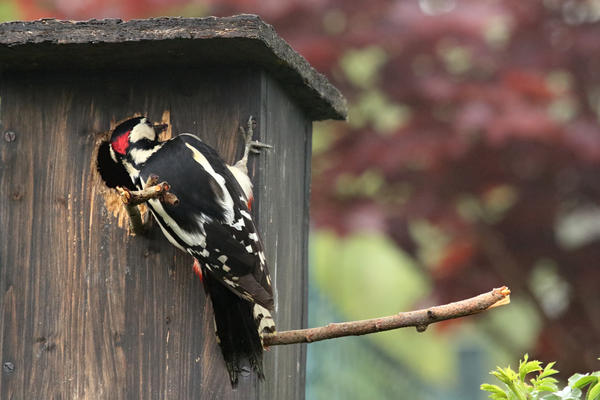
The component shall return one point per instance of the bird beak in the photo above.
(158, 128)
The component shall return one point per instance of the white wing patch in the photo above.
(243, 180)
(239, 225)
(231, 283)
(227, 202)
(166, 233)
(263, 319)
(191, 238)
(261, 255)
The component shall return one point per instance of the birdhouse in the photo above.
(86, 309)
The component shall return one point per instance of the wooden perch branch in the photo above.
(153, 190)
(419, 319)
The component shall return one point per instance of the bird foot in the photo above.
(255, 146)
(251, 146)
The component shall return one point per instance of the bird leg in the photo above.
(251, 146)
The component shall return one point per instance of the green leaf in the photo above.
(581, 380)
(514, 396)
(548, 370)
(544, 381)
(494, 389)
(519, 389)
(547, 387)
(526, 367)
(506, 375)
(550, 396)
(594, 392)
(567, 393)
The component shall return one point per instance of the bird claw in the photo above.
(249, 131)
(255, 146)
(250, 146)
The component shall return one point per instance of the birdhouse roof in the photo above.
(242, 40)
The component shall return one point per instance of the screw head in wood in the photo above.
(10, 136)
(8, 367)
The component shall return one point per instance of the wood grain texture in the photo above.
(286, 176)
(89, 312)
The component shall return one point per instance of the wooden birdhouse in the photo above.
(88, 311)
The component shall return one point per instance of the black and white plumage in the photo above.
(212, 223)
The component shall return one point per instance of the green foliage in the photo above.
(361, 66)
(398, 285)
(543, 386)
(8, 11)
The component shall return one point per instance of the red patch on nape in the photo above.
(121, 143)
(197, 270)
(250, 200)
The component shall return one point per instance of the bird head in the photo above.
(118, 156)
(134, 133)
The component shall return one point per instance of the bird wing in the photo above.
(211, 220)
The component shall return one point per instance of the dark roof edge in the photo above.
(288, 67)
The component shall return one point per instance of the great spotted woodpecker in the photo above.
(212, 223)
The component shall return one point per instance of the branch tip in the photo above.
(503, 291)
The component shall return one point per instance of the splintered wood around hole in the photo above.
(112, 199)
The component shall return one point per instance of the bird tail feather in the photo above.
(237, 325)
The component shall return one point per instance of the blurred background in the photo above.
(470, 160)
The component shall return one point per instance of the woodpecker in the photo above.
(212, 223)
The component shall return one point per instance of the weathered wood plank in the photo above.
(286, 177)
(87, 311)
